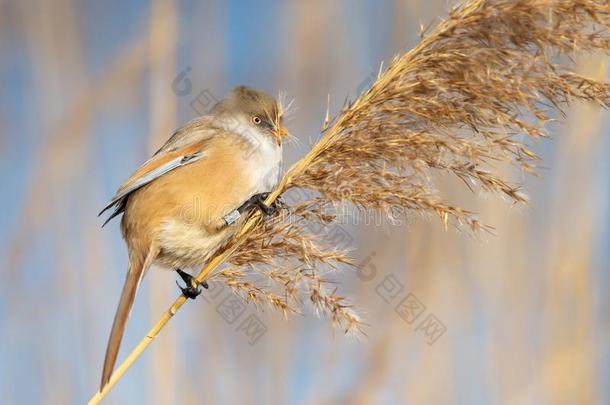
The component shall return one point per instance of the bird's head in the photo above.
(256, 109)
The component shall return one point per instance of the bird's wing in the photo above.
(193, 131)
(185, 146)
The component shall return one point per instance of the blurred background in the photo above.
(90, 89)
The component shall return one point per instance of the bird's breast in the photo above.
(266, 167)
(262, 156)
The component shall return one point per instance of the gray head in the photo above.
(255, 107)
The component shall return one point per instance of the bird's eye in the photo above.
(256, 120)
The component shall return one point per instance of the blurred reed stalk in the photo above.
(163, 38)
(456, 104)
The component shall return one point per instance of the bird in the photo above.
(180, 206)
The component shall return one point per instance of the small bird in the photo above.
(184, 203)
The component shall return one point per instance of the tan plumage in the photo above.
(174, 204)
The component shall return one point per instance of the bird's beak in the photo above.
(280, 134)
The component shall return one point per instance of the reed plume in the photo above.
(460, 102)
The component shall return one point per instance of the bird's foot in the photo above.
(193, 287)
(258, 201)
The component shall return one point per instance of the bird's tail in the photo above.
(138, 264)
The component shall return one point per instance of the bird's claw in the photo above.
(193, 287)
(258, 201)
(190, 291)
(269, 210)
